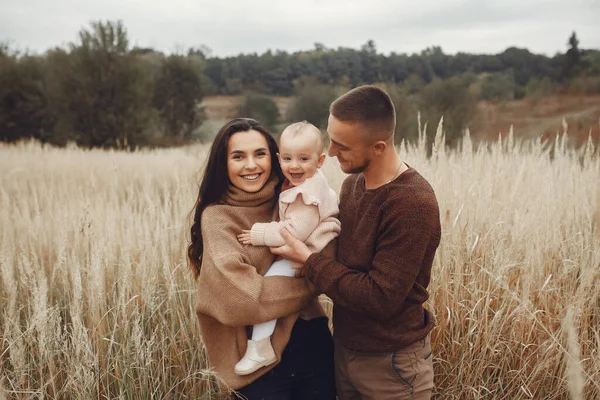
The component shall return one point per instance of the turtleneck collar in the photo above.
(239, 198)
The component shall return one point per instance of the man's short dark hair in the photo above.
(370, 106)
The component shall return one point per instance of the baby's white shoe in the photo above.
(258, 354)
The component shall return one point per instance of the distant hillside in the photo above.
(528, 117)
(222, 108)
(540, 118)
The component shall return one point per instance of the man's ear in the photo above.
(379, 147)
(321, 160)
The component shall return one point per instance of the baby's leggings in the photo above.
(278, 268)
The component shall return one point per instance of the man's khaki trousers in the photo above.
(404, 374)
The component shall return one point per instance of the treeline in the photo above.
(515, 69)
(101, 92)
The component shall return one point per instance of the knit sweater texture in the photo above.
(378, 282)
(308, 211)
(231, 291)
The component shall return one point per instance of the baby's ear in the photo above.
(278, 156)
(321, 160)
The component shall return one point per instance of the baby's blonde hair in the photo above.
(304, 127)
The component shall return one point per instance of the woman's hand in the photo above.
(293, 250)
(244, 237)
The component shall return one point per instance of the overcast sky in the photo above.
(230, 27)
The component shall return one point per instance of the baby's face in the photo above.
(299, 157)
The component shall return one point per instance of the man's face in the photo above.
(347, 144)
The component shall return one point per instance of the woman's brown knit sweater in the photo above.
(232, 293)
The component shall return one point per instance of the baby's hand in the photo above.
(244, 237)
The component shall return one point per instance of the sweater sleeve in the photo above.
(232, 291)
(380, 292)
(300, 220)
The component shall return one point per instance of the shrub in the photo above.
(406, 114)
(262, 108)
(451, 99)
(312, 104)
(498, 86)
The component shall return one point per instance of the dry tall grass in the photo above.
(96, 299)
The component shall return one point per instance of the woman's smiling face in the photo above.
(248, 161)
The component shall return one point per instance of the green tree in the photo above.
(4, 49)
(275, 73)
(371, 66)
(312, 104)
(539, 88)
(414, 84)
(439, 62)
(451, 99)
(262, 108)
(104, 93)
(24, 108)
(572, 58)
(406, 114)
(521, 63)
(177, 94)
(498, 86)
(591, 58)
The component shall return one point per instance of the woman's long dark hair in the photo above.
(213, 186)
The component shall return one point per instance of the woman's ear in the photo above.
(321, 160)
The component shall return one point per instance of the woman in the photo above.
(240, 187)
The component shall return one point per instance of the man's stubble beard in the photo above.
(359, 169)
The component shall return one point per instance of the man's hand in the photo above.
(293, 249)
(244, 237)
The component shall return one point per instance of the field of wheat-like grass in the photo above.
(96, 300)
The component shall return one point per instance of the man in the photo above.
(378, 283)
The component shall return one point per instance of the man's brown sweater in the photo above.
(379, 281)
